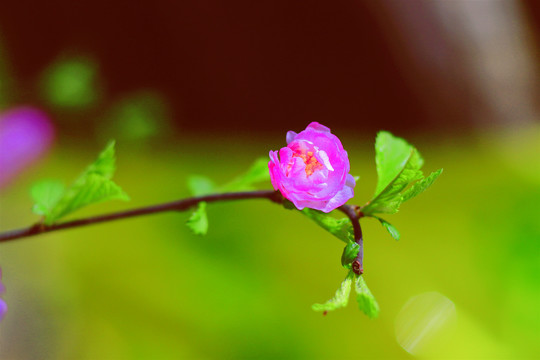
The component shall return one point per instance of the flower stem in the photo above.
(352, 211)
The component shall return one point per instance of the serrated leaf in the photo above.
(198, 222)
(258, 172)
(398, 165)
(366, 300)
(201, 185)
(95, 188)
(93, 185)
(390, 228)
(392, 154)
(421, 186)
(340, 228)
(46, 194)
(349, 254)
(340, 299)
(104, 165)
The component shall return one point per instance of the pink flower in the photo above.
(313, 170)
(3, 306)
(26, 133)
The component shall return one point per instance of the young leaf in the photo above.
(421, 186)
(198, 222)
(104, 165)
(389, 198)
(93, 185)
(201, 185)
(391, 155)
(258, 172)
(95, 188)
(340, 299)
(389, 227)
(340, 228)
(366, 300)
(46, 194)
(398, 166)
(349, 254)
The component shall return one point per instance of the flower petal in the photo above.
(290, 136)
(318, 127)
(3, 309)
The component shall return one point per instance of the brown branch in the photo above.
(352, 211)
(180, 205)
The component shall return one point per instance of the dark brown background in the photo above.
(254, 65)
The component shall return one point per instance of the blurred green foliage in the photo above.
(148, 288)
(137, 116)
(71, 82)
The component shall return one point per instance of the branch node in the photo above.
(357, 267)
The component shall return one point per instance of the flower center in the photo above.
(312, 164)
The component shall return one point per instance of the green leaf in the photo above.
(198, 222)
(366, 300)
(46, 194)
(389, 227)
(258, 172)
(389, 199)
(421, 186)
(104, 165)
(95, 188)
(201, 185)
(340, 299)
(349, 254)
(398, 166)
(93, 185)
(340, 228)
(392, 154)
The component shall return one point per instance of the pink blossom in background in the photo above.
(313, 170)
(25, 134)
(3, 306)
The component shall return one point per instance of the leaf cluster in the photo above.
(365, 299)
(53, 201)
(400, 178)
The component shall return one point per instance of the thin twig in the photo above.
(180, 205)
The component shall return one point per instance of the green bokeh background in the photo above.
(147, 288)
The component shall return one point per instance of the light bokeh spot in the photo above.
(138, 116)
(425, 323)
(71, 83)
